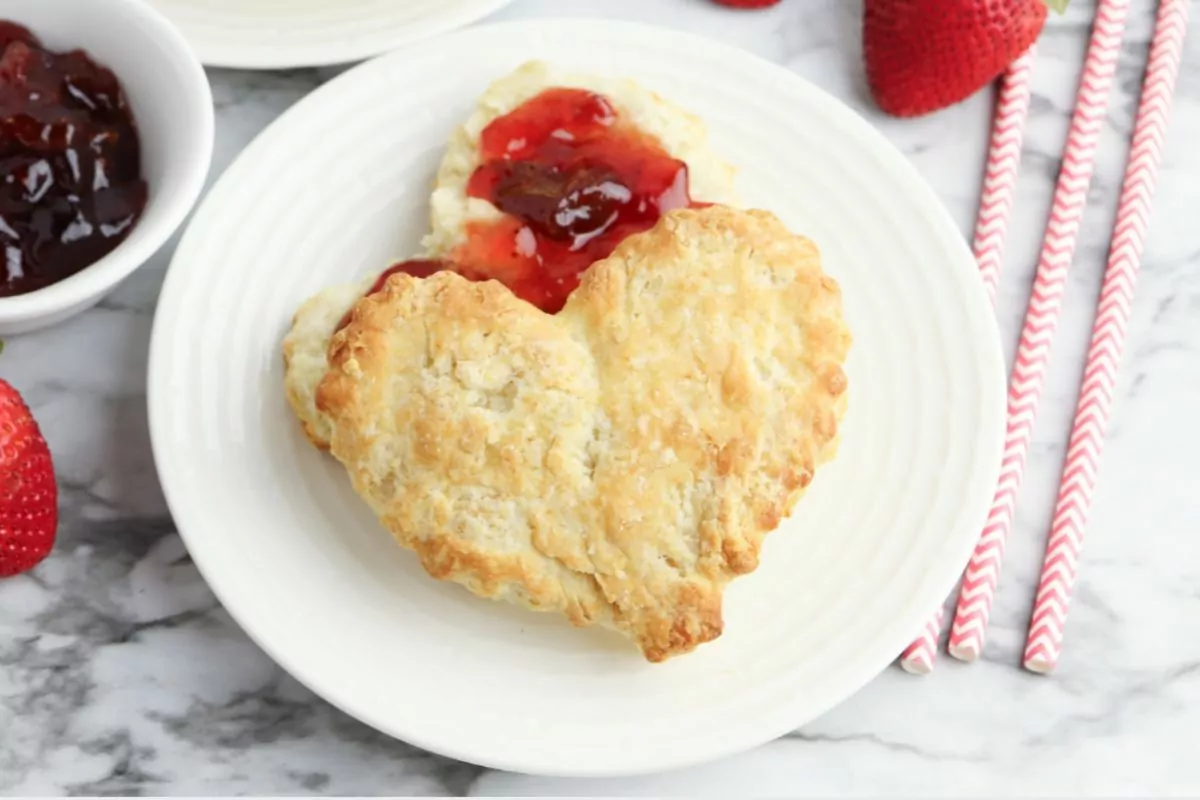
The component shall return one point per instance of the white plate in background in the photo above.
(337, 187)
(278, 34)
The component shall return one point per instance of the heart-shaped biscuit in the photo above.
(618, 462)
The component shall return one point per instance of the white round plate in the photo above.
(338, 187)
(278, 34)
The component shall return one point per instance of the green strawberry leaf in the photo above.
(1058, 6)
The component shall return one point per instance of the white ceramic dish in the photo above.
(172, 105)
(336, 188)
(278, 34)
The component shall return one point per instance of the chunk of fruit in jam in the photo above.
(563, 205)
(70, 163)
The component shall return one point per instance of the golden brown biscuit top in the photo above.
(619, 462)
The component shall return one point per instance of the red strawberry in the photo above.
(747, 3)
(28, 494)
(923, 55)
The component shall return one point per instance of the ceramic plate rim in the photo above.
(899, 631)
(330, 53)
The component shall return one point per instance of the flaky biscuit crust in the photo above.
(619, 462)
(305, 352)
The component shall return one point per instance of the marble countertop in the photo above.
(120, 673)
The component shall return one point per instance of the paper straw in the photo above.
(1044, 642)
(978, 588)
(991, 225)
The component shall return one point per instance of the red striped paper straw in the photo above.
(1044, 641)
(991, 225)
(919, 656)
(978, 588)
(1003, 164)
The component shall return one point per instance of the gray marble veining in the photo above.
(121, 674)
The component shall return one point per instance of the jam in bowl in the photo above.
(71, 188)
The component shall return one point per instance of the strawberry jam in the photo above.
(417, 267)
(573, 180)
(70, 165)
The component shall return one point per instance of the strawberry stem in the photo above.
(1058, 6)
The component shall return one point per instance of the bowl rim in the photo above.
(193, 167)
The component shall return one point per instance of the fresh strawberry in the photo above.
(923, 55)
(28, 494)
(747, 3)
